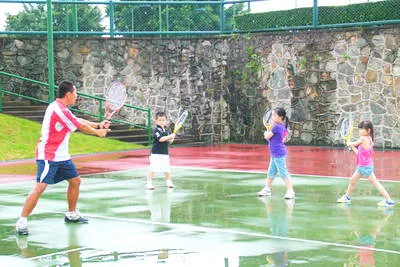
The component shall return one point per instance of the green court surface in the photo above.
(211, 218)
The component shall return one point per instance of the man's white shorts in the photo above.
(159, 163)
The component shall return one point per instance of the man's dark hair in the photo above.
(64, 87)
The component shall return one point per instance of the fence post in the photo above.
(74, 18)
(101, 111)
(167, 17)
(315, 14)
(111, 18)
(159, 17)
(50, 50)
(1, 101)
(222, 17)
(149, 126)
(1, 95)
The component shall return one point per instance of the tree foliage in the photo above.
(34, 18)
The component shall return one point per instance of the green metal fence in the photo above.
(99, 102)
(157, 17)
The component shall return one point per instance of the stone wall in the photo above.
(228, 82)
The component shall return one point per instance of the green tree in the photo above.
(34, 18)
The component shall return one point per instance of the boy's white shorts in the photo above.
(159, 163)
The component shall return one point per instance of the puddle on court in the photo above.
(211, 218)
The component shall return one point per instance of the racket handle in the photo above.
(109, 115)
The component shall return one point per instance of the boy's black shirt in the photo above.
(160, 147)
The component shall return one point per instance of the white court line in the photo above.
(265, 172)
(228, 231)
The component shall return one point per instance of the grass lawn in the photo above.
(18, 139)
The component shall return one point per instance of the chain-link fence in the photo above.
(191, 17)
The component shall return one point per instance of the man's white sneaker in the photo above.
(289, 194)
(266, 191)
(75, 217)
(21, 228)
(170, 184)
(149, 186)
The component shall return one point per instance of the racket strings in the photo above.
(181, 118)
(346, 128)
(115, 96)
(267, 119)
(180, 121)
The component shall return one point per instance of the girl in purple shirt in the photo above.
(277, 164)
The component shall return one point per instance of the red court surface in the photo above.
(308, 160)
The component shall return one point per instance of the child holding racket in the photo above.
(159, 158)
(278, 152)
(363, 148)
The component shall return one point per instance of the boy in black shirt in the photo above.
(159, 158)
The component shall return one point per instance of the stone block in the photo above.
(391, 42)
(388, 79)
(359, 79)
(372, 76)
(330, 66)
(375, 64)
(377, 109)
(379, 40)
(396, 70)
(84, 50)
(355, 98)
(345, 69)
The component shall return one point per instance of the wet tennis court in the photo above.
(213, 216)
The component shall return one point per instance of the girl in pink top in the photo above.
(363, 148)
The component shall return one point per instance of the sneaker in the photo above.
(266, 191)
(386, 203)
(344, 199)
(170, 184)
(75, 217)
(21, 228)
(149, 186)
(289, 194)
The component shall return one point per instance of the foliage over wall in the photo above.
(366, 12)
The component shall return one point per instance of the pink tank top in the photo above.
(364, 156)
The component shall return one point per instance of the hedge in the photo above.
(356, 13)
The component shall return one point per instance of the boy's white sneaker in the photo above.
(266, 191)
(149, 186)
(170, 184)
(289, 194)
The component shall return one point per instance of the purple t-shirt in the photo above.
(276, 143)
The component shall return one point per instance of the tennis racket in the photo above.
(267, 120)
(115, 98)
(346, 129)
(180, 121)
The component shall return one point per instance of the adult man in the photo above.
(52, 158)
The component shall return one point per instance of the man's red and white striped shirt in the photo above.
(58, 124)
